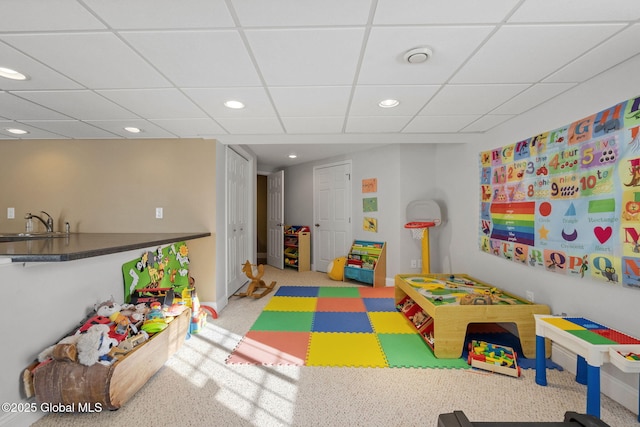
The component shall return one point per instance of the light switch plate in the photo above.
(159, 213)
(11, 213)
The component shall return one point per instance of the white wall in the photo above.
(458, 175)
(405, 172)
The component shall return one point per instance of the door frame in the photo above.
(314, 235)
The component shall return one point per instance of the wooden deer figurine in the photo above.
(256, 283)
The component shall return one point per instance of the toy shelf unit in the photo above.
(367, 263)
(441, 307)
(297, 254)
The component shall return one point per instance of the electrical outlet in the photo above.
(11, 213)
(159, 213)
(530, 297)
(414, 263)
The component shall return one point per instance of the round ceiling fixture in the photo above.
(418, 55)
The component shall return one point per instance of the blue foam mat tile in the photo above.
(297, 291)
(379, 304)
(342, 322)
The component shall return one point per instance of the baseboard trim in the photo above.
(611, 386)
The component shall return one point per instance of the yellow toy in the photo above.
(256, 282)
(335, 269)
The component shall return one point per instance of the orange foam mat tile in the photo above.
(340, 304)
(382, 292)
(346, 350)
(271, 348)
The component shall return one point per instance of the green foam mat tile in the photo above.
(294, 321)
(410, 351)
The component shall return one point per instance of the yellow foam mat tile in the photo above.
(563, 324)
(291, 304)
(345, 349)
(390, 323)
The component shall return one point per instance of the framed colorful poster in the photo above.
(370, 204)
(568, 200)
(370, 185)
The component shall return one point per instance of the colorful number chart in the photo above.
(568, 200)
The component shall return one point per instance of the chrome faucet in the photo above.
(48, 223)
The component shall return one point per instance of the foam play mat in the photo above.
(335, 326)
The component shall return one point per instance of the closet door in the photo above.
(237, 220)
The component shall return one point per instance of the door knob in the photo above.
(317, 225)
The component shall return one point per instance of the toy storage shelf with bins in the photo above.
(297, 254)
(367, 263)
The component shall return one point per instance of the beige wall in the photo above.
(115, 186)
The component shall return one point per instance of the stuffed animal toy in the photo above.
(87, 348)
(94, 346)
(335, 270)
(108, 312)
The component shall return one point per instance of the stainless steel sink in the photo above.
(15, 237)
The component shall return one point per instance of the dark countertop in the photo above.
(85, 245)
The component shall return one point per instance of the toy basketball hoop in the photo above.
(418, 228)
(422, 215)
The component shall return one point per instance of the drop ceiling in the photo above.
(310, 73)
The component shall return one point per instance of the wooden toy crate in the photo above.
(109, 387)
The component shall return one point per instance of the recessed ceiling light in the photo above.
(389, 103)
(236, 105)
(133, 129)
(293, 156)
(8, 73)
(16, 131)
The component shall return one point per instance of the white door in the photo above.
(275, 219)
(237, 220)
(331, 213)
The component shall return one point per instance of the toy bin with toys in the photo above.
(103, 362)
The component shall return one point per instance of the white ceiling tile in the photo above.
(311, 101)
(255, 99)
(487, 122)
(72, 129)
(533, 52)
(442, 12)
(197, 58)
(310, 125)
(116, 127)
(155, 103)
(437, 124)
(78, 104)
(470, 99)
(12, 107)
(50, 15)
(97, 60)
(251, 125)
(153, 14)
(618, 48)
(412, 99)
(370, 124)
(40, 76)
(190, 128)
(281, 13)
(533, 96)
(576, 11)
(307, 57)
(384, 64)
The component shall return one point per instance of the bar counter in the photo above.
(85, 245)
